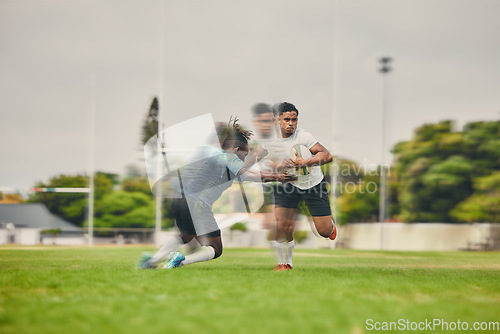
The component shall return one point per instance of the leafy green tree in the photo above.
(430, 175)
(358, 204)
(148, 129)
(358, 194)
(136, 181)
(449, 182)
(347, 171)
(436, 167)
(124, 209)
(353, 200)
(484, 204)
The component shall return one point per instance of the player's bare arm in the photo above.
(320, 157)
(259, 153)
(255, 175)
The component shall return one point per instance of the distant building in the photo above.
(23, 223)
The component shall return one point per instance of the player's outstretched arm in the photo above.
(260, 153)
(258, 176)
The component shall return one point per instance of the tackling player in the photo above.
(200, 237)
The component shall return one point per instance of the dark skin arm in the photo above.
(254, 175)
(320, 157)
(259, 153)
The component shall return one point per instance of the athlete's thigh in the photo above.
(318, 201)
(285, 223)
(203, 218)
(182, 216)
(286, 196)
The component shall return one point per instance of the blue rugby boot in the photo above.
(175, 262)
(143, 261)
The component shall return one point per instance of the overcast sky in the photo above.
(59, 60)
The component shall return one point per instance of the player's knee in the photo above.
(217, 246)
(289, 229)
(325, 235)
(288, 225)
(324, 230)
(186, 237)
(218, 251)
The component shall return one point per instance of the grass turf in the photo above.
(98, 290)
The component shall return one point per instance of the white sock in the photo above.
(285, 251)
(289, 251)
(171, 245)
(277, 251)
(204, 253)
(189, 247)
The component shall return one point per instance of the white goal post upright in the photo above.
(159, 195)
(335, 112)
(90, 214)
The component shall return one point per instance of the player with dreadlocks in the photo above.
(200, 236)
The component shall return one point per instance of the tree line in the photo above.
(126, 202)
(439, 175)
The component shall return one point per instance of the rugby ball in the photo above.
(305, 154)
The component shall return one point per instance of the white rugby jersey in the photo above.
(280, 148)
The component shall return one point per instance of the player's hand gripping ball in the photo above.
(299, 153)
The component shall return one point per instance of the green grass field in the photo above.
(98, 290)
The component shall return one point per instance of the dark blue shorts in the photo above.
(184, 220)
(316, 198)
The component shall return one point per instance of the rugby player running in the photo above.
(309, 188)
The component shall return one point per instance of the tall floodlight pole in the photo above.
(385, 69)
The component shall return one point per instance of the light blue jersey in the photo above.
(214, 177)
